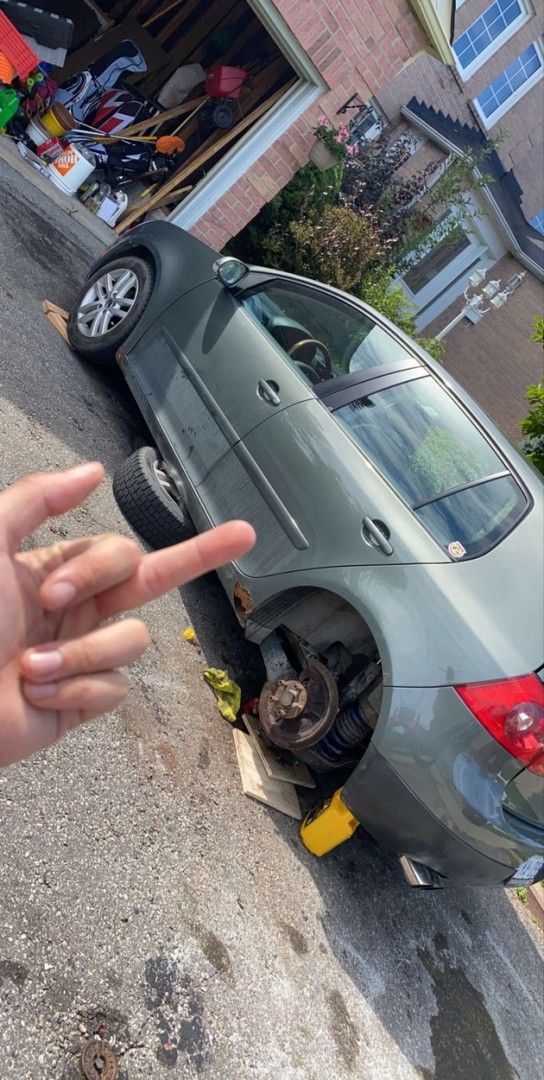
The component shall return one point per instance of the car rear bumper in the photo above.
(394, 815)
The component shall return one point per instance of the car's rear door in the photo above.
(383, 469)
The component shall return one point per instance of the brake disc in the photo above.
(296, 713)
(98, 1061)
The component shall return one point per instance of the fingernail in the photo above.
(41, 690)
(43, 663)
(60, 594)
(86, 469)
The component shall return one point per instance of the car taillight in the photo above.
(512, 711)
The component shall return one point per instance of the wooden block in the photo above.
(48, 306)
(290, 772)
(59, 324)
(258, 784)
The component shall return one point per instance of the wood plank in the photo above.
(162, 11)
(162, 118)
(59, 324)
(258, 785)
(289, 771)
(119, 8)
(166, 31)
(48, 307)
(171, 198)
(198, 160)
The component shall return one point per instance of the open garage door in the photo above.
(207, 72)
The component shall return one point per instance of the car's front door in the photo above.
(299, 478)
(211, 376)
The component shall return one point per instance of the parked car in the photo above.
(395, 588)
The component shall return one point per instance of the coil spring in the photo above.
(349, 728)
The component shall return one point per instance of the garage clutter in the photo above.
(95, 135)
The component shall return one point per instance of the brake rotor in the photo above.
(98, 1061)
(297, 713)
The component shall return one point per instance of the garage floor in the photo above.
(142, 896)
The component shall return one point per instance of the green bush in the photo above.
(533, 426)
(310, 191)
(335, 247)
(538, 330)
(390, 300)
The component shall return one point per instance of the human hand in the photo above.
(57, 661)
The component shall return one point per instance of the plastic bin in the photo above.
(9, 103)
(14, 46)
(225, 82)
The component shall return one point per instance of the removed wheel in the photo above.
(148, 499)
(108, 307)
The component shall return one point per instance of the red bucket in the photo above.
(225, 82)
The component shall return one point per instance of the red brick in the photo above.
(357, 46)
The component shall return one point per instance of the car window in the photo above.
(320, 334)
(428, 449)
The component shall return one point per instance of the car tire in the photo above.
(154, 514)
(96, 334)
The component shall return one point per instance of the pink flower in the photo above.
(338, 139)
(323, 119)
(351, 150)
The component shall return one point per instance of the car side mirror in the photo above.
(230, 271)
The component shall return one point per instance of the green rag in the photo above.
(227, 692)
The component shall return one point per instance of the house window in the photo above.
(538, 221)
(436, 260)
(484, 36)
(523, 73)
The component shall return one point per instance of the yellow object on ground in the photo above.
(189, 634)
(227, 692)
(328, 825)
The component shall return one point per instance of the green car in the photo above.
(395, 589)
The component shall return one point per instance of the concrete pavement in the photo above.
(142, 896)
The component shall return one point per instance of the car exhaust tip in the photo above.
(419, 876)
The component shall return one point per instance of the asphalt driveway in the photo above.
(142, 896)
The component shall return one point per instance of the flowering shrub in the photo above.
(335, 138)
(335, 247)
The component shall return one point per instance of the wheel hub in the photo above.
(297, 713)
(289, 700)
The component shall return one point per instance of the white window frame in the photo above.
(429, 300)
(309, 88)
(377, 127)
(490, 121)
(467, 72)
(485, 248)
(540, 219)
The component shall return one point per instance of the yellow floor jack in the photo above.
(328, 825)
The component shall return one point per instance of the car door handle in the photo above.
(376, 533)
(268, 390)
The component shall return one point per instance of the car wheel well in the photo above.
(141, 252)
(306, 629)
(317, 617)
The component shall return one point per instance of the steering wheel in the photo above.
(302, 344)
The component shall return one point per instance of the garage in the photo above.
(205, 75)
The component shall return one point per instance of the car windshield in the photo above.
(439, 462)
(321, 334)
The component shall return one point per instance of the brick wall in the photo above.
(358, 46)
(522, 149)
(495, 359)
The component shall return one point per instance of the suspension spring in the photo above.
(349, 729)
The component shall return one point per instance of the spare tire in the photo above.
(148, 500)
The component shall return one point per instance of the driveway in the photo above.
(142, 896)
